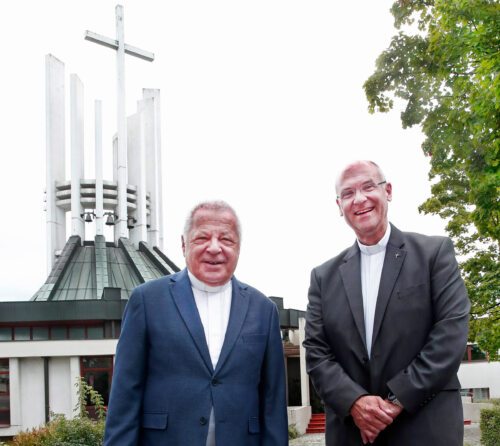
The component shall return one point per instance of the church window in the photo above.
(22, 333)
(40, 333)
(5, 334)
(97, 371)
(4, 393)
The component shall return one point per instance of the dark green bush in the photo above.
(490, 426)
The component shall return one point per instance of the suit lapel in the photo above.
(393, 261)
(350, 271)
(239, 306)
(182, 293)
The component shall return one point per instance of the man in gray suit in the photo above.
(386, 327)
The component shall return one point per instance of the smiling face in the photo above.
(363, 198)
(212, 246)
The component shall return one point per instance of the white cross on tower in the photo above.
(121, 49)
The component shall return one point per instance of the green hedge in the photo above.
(490, 426)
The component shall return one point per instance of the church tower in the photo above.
(130, 202)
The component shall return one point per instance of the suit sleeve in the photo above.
(440, 358)
(124, 411)
(333, 385)
(272, 388)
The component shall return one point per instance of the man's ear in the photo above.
(340, 207)
(183, 246)
(388, 191)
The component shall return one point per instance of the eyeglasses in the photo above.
(365, 189)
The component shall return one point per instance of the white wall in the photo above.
(299, 416)
(32, 392)
(60, 386)
(481, 374)
(32, 349)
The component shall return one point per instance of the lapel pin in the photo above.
(398, 255)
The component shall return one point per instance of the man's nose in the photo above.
(359, 196)
(214, 246)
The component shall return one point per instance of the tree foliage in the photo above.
(443, 66)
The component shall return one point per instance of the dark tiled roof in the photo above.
(87, 272)
(97, 278)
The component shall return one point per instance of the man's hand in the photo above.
(371, 414)
(393, 410)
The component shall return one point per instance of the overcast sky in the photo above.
(262, 104)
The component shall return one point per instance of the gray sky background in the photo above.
(262, 104)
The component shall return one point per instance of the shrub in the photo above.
(63, 432)
(40, 436)
(292, 431)
(490, 426)
(78, 432)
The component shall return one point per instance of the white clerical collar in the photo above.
(378, 247)
(199, 285)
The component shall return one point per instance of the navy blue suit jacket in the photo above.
(164, 384)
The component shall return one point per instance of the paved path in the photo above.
(472, 437)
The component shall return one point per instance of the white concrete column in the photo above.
(137, 172)
(74, 375)
(115, 158)
(32, 386)
(154, 184)
(77, 224)
(55, 154)
(15, 393)
(121, 224)
(60, 387)
(304, 377)
(116, 232)
(99, 193)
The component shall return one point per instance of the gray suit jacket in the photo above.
(419, 337)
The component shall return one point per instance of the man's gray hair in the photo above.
(214, 205)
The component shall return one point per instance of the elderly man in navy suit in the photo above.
(200, 358)
(386, 327)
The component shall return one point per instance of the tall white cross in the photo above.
(121, 48)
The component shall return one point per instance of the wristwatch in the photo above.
(392, 399)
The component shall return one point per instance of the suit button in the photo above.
(215, 382)
(203, 421)
(365, 359)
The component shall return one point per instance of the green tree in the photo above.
(443, 68)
